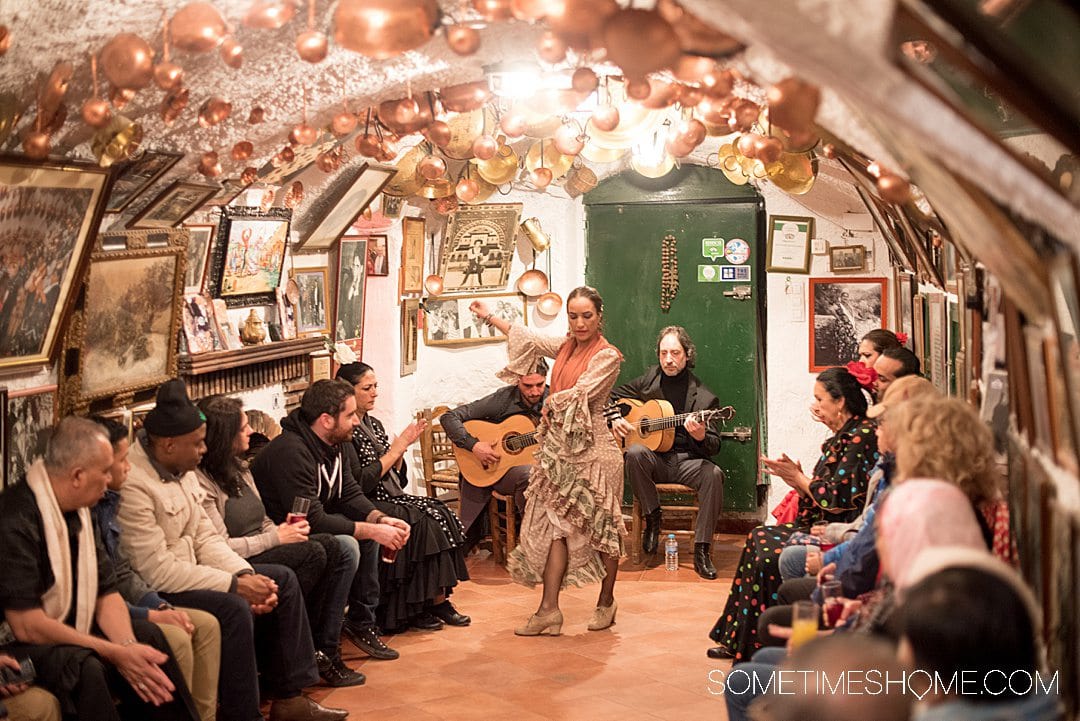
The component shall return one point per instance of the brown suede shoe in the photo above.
(301, 708)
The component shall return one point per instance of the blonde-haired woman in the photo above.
(944, 438)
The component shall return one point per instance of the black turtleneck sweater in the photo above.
(674, 390)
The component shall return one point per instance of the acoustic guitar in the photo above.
(514, 440)
(655, 421)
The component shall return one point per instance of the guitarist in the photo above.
(524, 398)
(690, 459)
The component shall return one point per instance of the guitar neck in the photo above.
(659, 424)
(517, 443)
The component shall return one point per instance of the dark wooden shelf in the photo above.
(219, 360)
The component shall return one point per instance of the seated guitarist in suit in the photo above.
(690, 459)
(525, 398)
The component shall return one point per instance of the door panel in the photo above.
(624, 264)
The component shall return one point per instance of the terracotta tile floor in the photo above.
(650, 665)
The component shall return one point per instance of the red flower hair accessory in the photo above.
(864, 375)
(902, 337)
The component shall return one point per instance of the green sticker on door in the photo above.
(712, 248)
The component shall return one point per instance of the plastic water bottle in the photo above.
(671, 553)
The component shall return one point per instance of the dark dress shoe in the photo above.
(449, 615)
(719, 652)
(703, 561)
(335, 673)
(650, 539)
(366, 638)
(301, 708)
(426, 622)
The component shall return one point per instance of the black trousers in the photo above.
(796, 589)
(86, 685)
(282, 645)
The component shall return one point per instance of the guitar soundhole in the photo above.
(510, 443)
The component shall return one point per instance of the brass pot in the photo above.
(438, 188)
(554, 161)
(502, 168)
(486, 190)
(532, 230)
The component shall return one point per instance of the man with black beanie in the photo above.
(310, 460)
(172, 544)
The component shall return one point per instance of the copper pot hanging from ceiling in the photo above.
(493, 10)
(465, 97)
(197, 27)
(406, 115)
(463, 39)
(269, 14)
(641, 42)
(128, 61)
(232, 53)
(384, 28)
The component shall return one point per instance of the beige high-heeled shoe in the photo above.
(603, 616)
(550, 622)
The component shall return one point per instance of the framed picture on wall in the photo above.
(248, 255)
(339, 205)
(789, 244)
(173, 204)
(412, 256)
(905, 312)
(351, 280)
(312, 317)
(135, 176)
(410, 318)
(57, 209)
(479, 247)
(199, 241)
(847, 258)
(378, 258)
(448, 321)
(126, 339)
(29, 417)
(843, 310)
(937, 336)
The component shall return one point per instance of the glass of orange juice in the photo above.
(804, 622)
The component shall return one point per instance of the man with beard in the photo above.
(308, 460)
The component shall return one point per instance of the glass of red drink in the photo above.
(832, 593)
(388, 554)
(299, 510)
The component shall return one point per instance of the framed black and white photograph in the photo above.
(378, 257)
(351, 281)
(312, 314)
(448, 321)
(410, 313)
(847, 258)
(133, 177)
(28, 421)
(843, 310)
(905, 310)
(789, 244)
(175, 203)
(479, 247)
(339, 205)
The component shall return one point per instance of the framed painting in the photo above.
(412, 256)
(904, 287)
(230, 188)
(126, 335)
(173, 204)
(57, 208)
(199, 324)
(351, 280)
(448, 321)
(133, 177)
(789, 244)
(248, 255)
(410, 319)
(937, 337)
(339, 204)
(378, 257)
(918, 311)
(29, 417)
(479, 247)
(312, 317)
(198, 249)
(843, 310)
(847, 258)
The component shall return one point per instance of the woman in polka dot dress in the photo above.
(835, 492)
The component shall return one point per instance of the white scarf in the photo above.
(57, 599)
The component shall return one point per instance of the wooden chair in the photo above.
(670, 511)
(503, 526)
(440, 468)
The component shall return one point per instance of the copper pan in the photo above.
(486, 191)
(554, 161)
(533, 282)
(438, 188)
(549, 304)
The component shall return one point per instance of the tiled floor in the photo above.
(650, 665)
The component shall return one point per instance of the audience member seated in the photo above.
(324, 564)
(309, 460)
(971, 614)
(893, 364)
(59, 600)
(525, 398)
(417, 585)
(23, 702)
(172, 544)
(874, 343)
(193, 635)
(836, 491)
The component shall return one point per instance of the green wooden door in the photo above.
(626, 225)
